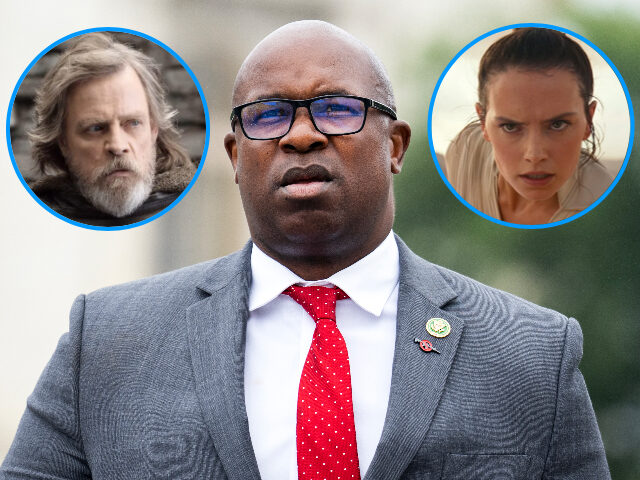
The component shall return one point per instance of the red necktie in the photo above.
(325, 431)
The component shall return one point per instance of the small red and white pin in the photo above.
(425, 345)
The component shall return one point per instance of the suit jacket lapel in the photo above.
(418, 377)
(217, 327)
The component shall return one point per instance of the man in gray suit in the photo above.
(195, 373)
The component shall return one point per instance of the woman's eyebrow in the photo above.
(555, 117)
(561, 115)
(508, 120)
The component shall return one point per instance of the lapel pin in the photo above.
(438, 327)
(425, 345)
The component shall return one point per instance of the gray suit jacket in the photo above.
(148, 383)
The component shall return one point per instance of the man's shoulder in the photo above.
(479, 297)
(501, 332)
(478, 304)
(57, 191)
(175, 179)
(60, 193)
(177, 288)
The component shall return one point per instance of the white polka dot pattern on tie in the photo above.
(325, 432)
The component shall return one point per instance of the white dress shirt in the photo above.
(279, 333)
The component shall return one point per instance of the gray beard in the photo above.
(119, 196)
(120, 200)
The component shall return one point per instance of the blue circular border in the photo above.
(202, 98)
(517, 225)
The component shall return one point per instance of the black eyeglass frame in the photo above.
(368, 102)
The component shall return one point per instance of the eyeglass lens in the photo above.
(332, 115)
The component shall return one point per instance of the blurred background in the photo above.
(589, 268)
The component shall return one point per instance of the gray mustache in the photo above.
(120, 162)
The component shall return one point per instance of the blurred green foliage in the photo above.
(588, 268)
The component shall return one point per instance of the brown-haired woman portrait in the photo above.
(531, 155)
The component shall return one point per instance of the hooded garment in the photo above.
(60, 193)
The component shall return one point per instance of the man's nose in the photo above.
(535, 147)
(303, 135)
(117, 140)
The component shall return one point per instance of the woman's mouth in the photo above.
(537, 179)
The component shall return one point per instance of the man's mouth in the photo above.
(302, 183)
(119, 172)
(120, 167)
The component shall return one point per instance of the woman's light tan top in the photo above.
(472, 171)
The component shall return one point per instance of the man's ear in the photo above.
(482, 115)
(232, 151)
(398, 143)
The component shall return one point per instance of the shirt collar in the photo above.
(368, 282)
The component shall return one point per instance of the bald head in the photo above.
(316, 202)
(324, 45)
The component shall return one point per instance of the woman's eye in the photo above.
(509, 127)
(558, 125)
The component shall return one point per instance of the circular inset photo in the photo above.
(108, 128)
(530, 126)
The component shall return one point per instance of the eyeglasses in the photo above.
(331, 115)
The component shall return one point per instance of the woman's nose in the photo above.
(535, 148)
